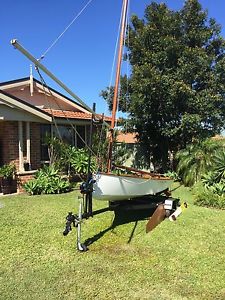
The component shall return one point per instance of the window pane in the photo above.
(80, 136)
(64, 133)
(45, 132)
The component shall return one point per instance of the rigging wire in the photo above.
(127, 65)
(46, 99)
(124, 41)
(64, 31)
(111, 77)
(44, 85)
(111, 74)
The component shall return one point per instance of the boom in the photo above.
(15, 43)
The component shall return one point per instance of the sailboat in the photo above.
(139, 186)
(109, 186)
(114, 187)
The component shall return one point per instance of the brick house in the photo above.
(28, 111)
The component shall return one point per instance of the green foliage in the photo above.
(210, 196)
(176, 89)
(56, 150)
(218, 188)
(60, 154)
(33, 187)
(121, 151)
(7, 171)
(212, 187)
(219, 164)
(208, 179)
(68, 158)
(100, 145)
(80, 161)
(173, 175)
(47, 181)
(195, 160)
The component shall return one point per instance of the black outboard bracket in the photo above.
(87, 186)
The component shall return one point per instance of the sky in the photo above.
(83, 57)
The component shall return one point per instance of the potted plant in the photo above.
(7, 173)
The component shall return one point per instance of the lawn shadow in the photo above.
(123, 215)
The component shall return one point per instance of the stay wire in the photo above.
(64, 31)
(111, 80)
(111, 77)
(46, 99)
(127, 67)
(55, 123)
(126, 25)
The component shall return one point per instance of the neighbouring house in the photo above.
(28, 111)
(134, 153)
(128, 141)
(218, 137)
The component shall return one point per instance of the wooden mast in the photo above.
(117, 81)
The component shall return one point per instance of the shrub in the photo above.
(212, 196)
(208, 179)
(219, 164)
(80, 161)
(33, 187)
(196, 160)
(47, 181)
(7, 171)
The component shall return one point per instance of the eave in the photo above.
(13, 101)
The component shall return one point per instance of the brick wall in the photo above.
(9, 148)
(22, 178)
(35, 146)
(9, 143)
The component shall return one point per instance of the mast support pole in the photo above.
(36, 62)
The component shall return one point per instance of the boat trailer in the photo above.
(159, 207)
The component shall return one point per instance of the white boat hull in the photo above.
(119, 187)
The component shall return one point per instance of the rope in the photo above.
(64, 31)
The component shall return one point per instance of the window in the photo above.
(64, 133)
(45, 133)
(81, 136)
(76, 136)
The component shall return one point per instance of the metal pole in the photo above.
(80, 246)
(15, 43)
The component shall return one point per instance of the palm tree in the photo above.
(219, 164)
(195, 160)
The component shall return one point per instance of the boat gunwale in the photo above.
(141, 176)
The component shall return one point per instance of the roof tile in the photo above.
(72, 114)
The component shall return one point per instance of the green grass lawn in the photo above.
(180, 260)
